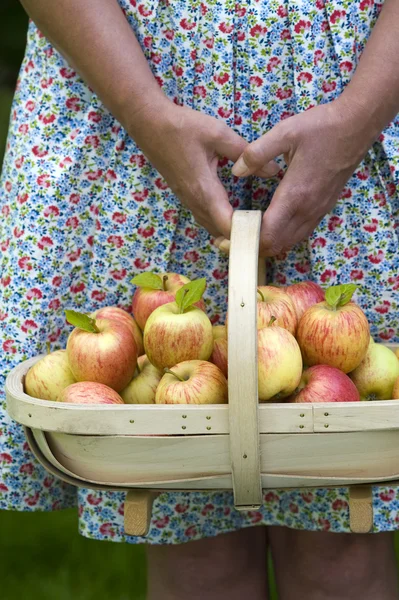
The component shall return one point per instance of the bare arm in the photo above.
(184, 145)
(340, 132)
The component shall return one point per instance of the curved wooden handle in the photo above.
(243, 360)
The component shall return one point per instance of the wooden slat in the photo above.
(243, 360)
(356, 416)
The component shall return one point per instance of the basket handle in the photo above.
(243, 360)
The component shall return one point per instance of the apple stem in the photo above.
(164, 280)
(272, 319)
(261, 295)
(96, 329)
(173, 373)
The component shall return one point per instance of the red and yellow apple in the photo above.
(107, 355)
(89, 392)
(219, 352)
(322, 383)
(274, 302)
(142, 388)
(334, 332)
(279, 363)
(376, 375)
(304, 295)
(147, 299)
(171, 336)
(113, 312)
(395, 390)
(49, 376)
(192, 382)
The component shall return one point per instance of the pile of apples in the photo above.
(313, 346)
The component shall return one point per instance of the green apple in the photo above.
(49, 376)
(376, 375)
(142, 388)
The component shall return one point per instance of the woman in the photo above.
(127, 167)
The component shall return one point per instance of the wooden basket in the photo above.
(244, 446)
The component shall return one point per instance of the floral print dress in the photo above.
(82, 211)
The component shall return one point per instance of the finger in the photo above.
(262, 151)
(270, 169)
(222, 244)
(228, 143)
(220, 210)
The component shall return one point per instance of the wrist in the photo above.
(357, 122)
(142, 120)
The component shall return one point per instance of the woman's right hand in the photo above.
(184, 146)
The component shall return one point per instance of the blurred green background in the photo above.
(42, 553)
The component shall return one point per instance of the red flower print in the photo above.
(178, 71)
(137, 159)
(145, 12)
(207, 509)
(72, 222)
(9, 346)
(98, 296)
(281, 279)
(5, 281)
(365, 4)
(208, 42)
(19, 162)
(94, 116)
(237, 120)
(339, 504)
(219, 275)
(273, 63)
(3, 487)
(156, 58)
(204, 9)
(23, 129)
(161, 183)
(383, 308)
(305, 76)
(257, 31)
(351, 252)
(324, 524)
(24, 263)
(5, 458)
(54, 304)
(119, 217)
(161, 522)
(346, 193)
(199, 90)
(79, 287)
(388, 495)
(32, 500)
(328, 86)
(119, 147)
(57, 281)
(192, 256)
(241, 36)
(395, 282)
(259, 114)
(256, 80)
(302, 267)
(282, 94)
(27, 468)
(293, 508)
(169, 34)
(3, 315)
(334, 222)
(222, 78)
(107, 530)
(4, 245)
(47, 482)
(43, 180)
(191, 531)
(371, 227)
(92, 140)
(34, 294)
(140, 196)
(391, 189)
(346, 66)
(94, 175)
(29, 66)
(118, 274)
(116, 241)
(181, 508)
(45, 242)
(73, 104)
(320, 4)
(45, 83)
(307, 497)
(328, 275)
(191, 233)
(337, 15)
(171, 215)
(285, 34)
(139, 263)
(53, 337)
(224, 28)
(282, 11)
(146, 232)
(185, 24)
(72, 256)
(255, 516)
(224, 112)
(319, 243)
(74, 198)
(377, 257)
(387, 334)
(67, 73)
(302, 26)
(318, 55)
(28, 325)
(271, 497)
(363, 174)
(94, 500)
(356, 275)
(286, 114)
(30, 105)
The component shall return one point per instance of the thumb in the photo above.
(261, 152)
(220, 210)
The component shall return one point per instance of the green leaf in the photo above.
(190, 293)
(81, 320)
(148, 280)
(339, 295)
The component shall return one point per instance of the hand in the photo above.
(184, 146)
(322, 148)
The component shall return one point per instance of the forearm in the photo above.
(373, 93)
(96, 39)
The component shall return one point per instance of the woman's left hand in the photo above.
(322, 148)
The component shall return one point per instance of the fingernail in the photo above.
(240, 168)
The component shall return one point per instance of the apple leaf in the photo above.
(190, 293)
(81, 321)
(339, 295)
(148, 280)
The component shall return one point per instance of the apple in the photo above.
(219, 352)
(395, 391)
(304, 295)
(101, 350)
(192, 382)
(279, 363)
(89, 392)
(274, 302)
(376, 375)
(171, 336)
(113, 312)
(155, 290)
(397, 353)
(334, 332)
(49, 376)
(142, 388)
(322, 383)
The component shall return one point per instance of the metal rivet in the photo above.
(242, 304)
(209, 428)
(183, 427)
(29, 415)
(302, 415)
(131, 421)
(209, 418)
(326, 414)
(326, 425)
(244, 456)
(184, 416)
(301, 426)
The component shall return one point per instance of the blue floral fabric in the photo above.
(83, 211)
